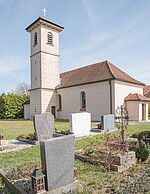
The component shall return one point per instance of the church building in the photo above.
(98, 88)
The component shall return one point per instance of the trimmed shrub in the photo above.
(135, 135)
(142, 151)
(143, 134)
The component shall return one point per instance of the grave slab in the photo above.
(80, 124)
(70, 188)
(44, 125)
(57, 158)
(3, 142)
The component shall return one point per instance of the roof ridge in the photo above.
(138, 96)
(147, 88)
(108, 64)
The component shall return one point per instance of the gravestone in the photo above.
(44, 125)
(107, 122)
(57, 158)
(80, 124)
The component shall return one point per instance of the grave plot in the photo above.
(57, 159)
(43, 126)
(116, 162)
(113, 156)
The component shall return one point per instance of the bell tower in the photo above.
(44, 36)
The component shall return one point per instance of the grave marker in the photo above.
(57, 157)
(80, 124)
(44, 125)
(107, 122)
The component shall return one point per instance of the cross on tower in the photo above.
(44, 10)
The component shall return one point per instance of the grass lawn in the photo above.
(92, 177)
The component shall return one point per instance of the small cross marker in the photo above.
(44, 10)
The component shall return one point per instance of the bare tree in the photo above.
(22, 88)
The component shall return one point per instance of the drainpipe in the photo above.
(110, 86)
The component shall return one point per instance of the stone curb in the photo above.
(33, 142)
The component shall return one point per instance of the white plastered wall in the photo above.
(35, 48)
(48, 99)
(26, 111)
(123, 89)
(97, 100)
(36, 71)
(133, 110)
(49, 71)
(35, 102)
(53, 49)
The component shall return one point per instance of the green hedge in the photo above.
(11, 105)
(143, 133)
(135, 135)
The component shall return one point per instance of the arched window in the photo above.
(83, 100)
(35, 38)
(50, 38)
(59, 98)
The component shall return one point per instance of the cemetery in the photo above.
(76, 136)
(74, 160)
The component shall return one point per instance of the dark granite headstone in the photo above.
(108, 122)
(57, 157)
(44, 125)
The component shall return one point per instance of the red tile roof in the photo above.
(137, 97)
(146, 90)
(95, 73)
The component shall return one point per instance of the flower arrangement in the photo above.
(30, 136)
(64, 132)
(99, 125)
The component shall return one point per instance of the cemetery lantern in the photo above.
(38, 182)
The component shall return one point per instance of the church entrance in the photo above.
(53, 111)
(143, 112)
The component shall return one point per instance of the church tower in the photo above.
(44, 65)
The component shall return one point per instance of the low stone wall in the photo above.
(119, 162)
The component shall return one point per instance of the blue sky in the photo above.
(95, 30)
